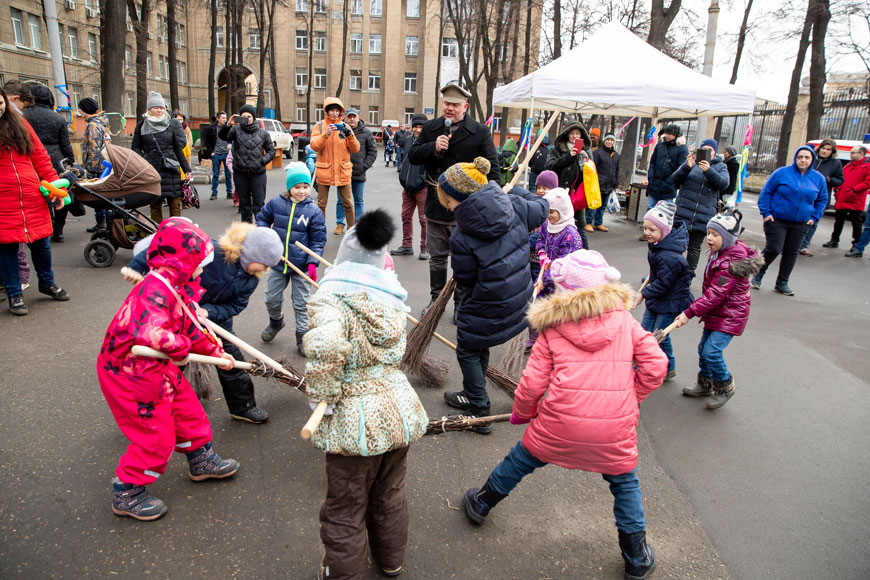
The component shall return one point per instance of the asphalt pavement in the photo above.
(773, 485)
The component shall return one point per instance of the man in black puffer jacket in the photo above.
(54, 134)
(252, 151)
(362, 161)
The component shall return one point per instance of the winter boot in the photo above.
(99, 226)
(275, 326)
(134, 501)
(756, 280)
(17, 306)
(640, 560)
(703, 388)
(205, 463)
(478, 502)
(722, 391)
(299, 348)
(252, 414)
(437, 281)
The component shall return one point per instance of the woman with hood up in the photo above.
(567, 161)
(333, 141)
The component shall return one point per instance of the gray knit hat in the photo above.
(727, 225)
(155, 99)
(262, 245)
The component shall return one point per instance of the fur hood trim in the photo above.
(565, 307)
(231, 241)
(748, 267)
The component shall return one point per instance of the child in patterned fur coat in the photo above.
(355, 343)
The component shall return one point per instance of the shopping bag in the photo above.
(590, 184)
(189, 195)
(613, 203)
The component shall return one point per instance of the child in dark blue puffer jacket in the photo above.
(295, 217)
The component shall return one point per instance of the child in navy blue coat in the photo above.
(667, 293)
(490, 261)
(295, 217)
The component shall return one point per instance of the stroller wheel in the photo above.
(99, 254)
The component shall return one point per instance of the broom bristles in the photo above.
(421, 335)
(201, 377)
(514, 355)
(433, 372)
(502, 381)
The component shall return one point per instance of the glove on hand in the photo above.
(312, 272)
(544, 260)
(517, 420)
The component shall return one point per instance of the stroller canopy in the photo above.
(130, 174)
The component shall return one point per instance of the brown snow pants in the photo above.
(364, 493)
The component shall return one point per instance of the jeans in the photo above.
(627, 499)
(856, 217)
(809, 236)
(216, 161)
(410, 202)
(276, 283)
(251, 188)
(40, 255)
(23, 266)
(595, 217)
(398, 156)
(356, 188)
(473, 364)
(782, 237)
(865, 235)
(693, 254)
(710, 358)
(653, 321)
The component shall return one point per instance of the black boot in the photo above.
(299, 348)
(99, 226)
(640, 560)
(478, 502)
(275, 326)
(437, 281)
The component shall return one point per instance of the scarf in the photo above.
(153, 125)
(379, 284)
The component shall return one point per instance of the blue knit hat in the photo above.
(711, 142)
(296, 172)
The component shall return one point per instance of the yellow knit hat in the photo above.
(463, 179)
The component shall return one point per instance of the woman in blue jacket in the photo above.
(791, 201)
(700, 184)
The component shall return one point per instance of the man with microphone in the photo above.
(454, 137)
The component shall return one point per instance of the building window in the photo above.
(355, 79)
(179, 34)
(409, 115)
(504, 51)
(413, 9)
(254, 37)
(377, 7)
(411, 45)
(301, 40)
(182, 72)
(73, 35)
(300, 114)
(148, 68)
(76, 93)
(160, 65)
(93, 47)
(18, 27)
(219, 36)
(373, 116)
(320, 41)
(128, 56)
(410, 82)
(356, 7)
(301, 77)
(356, 40)
(318, 115)
(374, 81)
(450, 48)
(320, 78)
(35, 32)
(128, 105)
(301, 5)
(374, 44)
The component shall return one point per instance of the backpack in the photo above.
(539, 160)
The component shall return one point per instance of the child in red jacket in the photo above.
(724, 307)
(153, 403)
(607, 365)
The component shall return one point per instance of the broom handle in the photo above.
(314, 421)
(244, 346)
(140, 350)
(522, 168)
(667, 329)
(487, 420)
(326, 263)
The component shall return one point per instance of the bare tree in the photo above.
(171, 6)
(310, 24)
(141, 21)
(228, 56)
(212, 58)
(263, 48)
(794, 86)
(273, 68)
(344, 34)
(816, 105)
(741, 42)
(112, 42)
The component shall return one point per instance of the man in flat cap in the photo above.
(454, 137)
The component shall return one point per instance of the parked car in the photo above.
(281, 137)
(844, 147)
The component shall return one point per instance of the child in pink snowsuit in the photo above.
(153, 403)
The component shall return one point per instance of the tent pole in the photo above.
(531, 128)
(634, 152)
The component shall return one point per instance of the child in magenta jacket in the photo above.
(153, 403)
(724, 306)
(596, 365)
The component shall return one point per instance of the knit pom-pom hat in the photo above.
(662, 215)
(463, 179)
(366, 242)
(727, 225)
(582, 269)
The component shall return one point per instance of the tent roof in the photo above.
(616, 73)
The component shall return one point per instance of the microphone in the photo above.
(447, 123)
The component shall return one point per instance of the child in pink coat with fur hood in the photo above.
(596, 364)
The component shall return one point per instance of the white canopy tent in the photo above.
(616, 73)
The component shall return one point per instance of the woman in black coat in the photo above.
(54, 134)
(159, 138)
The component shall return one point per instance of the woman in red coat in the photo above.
(851, 197)
(24, 216)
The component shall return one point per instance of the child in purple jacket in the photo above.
(557, 238)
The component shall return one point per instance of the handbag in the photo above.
(170, 164)
(189, 195)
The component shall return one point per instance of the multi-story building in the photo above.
(398, 55)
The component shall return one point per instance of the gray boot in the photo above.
(299, 336)
(722, 391)
(275, 326)
(703, 388)
(134, 501)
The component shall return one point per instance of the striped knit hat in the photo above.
(662, 215)
(463, 179)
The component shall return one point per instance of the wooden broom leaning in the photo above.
(662, 333)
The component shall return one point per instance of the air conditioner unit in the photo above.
(70, 4)
(91, 12)
(150, 35)
(301, 90)
(129, 27)
(161, 39)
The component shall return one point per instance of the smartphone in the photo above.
(339, 126)
(578, 145)
(703, 155)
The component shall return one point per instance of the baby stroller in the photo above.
(130, 184)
